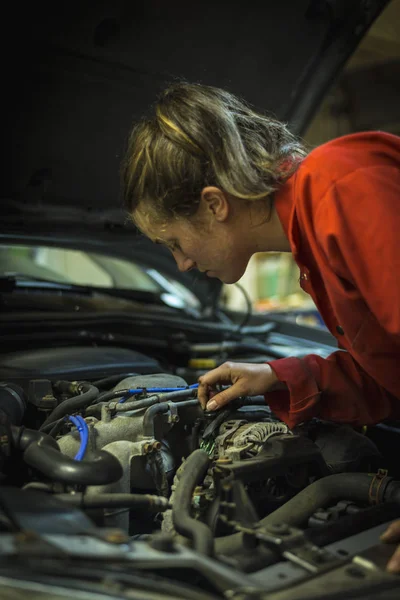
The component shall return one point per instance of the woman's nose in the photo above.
(184, 263)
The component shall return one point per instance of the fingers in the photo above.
(246, 379)
(392, 533)
(225, 397)
(203, 393)
(209, 381)
(221, 374)
(394, 563)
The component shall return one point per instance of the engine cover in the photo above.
(74, 363)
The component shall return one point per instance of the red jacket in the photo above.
(341, 213)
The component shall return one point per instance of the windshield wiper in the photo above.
(12, 281)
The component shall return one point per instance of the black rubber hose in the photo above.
(56, 427)
(23, 438)
(50, 426)
(73, 404)
(111, 395)
(391, 492)
(139, 404)
(104, 468)
(159, 409)
(296, 512)
(106, 397)
(195, 468)
(177, 396)
(136, 405)
(42, 452)
(139, 501)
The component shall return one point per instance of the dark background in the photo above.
(77, 74)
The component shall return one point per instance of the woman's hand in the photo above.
(392, 534)
(245, 380)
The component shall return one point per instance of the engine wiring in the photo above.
(208, 446)
(213, 482)
(156, 390)
(83, 430)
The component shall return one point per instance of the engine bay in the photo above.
(105, 454)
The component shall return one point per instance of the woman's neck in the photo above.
(266, 233)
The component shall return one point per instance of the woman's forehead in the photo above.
(153, 228)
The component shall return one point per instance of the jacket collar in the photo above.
(285, 204)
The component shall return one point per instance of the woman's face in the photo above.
(207, 242)
(192, 248)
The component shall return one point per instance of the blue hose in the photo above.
(194, 386)
(83, 429)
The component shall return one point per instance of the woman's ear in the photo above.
(215, 203)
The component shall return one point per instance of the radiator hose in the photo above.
(358, 487)
(88, 394)
(42, 452)
(146, 502)
(193, 471)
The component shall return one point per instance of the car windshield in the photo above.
(76, 267)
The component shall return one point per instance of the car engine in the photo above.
(105, 437)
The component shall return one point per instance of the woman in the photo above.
(216, 182)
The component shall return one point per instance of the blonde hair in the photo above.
(199, 136)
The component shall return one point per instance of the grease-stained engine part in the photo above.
(236, 485)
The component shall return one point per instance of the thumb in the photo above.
(224, 397)
(392, 533)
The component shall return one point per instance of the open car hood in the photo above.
(78, 74)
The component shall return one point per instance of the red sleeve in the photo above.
(359, 225)
(334, 389)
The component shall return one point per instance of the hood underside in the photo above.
(77, 75)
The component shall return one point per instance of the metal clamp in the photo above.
(376, 485)
(173, 416)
